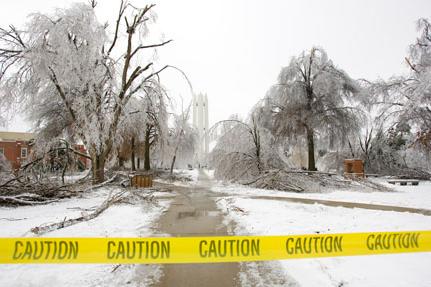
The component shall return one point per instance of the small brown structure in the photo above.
(354, 168)
(141, 180)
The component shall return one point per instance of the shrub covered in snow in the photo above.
(4, 164)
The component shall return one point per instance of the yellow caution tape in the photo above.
(208, 249)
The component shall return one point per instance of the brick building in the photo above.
(83, 163)
(16, 147)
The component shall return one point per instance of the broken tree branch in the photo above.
(40, 230)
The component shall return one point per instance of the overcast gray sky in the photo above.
(233, 50)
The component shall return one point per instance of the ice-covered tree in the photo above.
(156, 128)
(236, 153)
(244, 149)
(147, 111)
(418, 88)
(403, 104)
(311, 98)
(183, 138)
(407, 99)
(130, 134)
(67, 65)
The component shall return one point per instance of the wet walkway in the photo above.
(194, 212)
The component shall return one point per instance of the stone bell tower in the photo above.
(200, 122)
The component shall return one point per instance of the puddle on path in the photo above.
(197, 213)
(194, 212)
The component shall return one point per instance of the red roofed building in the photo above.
(16, 147)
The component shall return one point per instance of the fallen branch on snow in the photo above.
(13, 219)
(106, 182)
(39, 230)
(129, 196)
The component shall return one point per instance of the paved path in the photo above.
(332, 203)
(194, 212)
(347, 204)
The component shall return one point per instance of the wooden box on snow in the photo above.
(141, 180)
(354, 168)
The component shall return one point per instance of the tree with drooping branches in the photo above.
(67, 69)
(312, 97)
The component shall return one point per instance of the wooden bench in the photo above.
(310, 172)
(404, 181)
(371, 175)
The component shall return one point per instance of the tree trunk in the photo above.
(173, 163)
(98, 168)
(133, 154)
(63, 173)
(310, 143)
(120, 162)
(147, 157)
(139, 163)
(147, 151)
(120, 159)
(256, 139)
(258, 157)
(174, 158)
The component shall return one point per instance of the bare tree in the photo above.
(67, 59)
(311, 98)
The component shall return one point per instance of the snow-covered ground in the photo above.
(407, 196)
(272, 217)
(122, 220)
(259, 216)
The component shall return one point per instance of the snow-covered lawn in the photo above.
(121, 220)
(272, 217)
(407, 196)
(260, 217)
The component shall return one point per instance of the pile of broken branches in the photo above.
(28, 190)
(412, 173)
(21, 190)
(306, 181)
(170, 177)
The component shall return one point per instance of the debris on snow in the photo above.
(306, 181)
